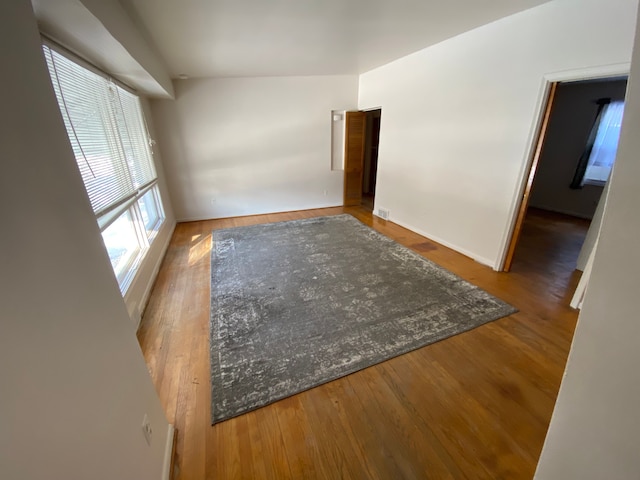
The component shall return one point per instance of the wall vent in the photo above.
(383, 213)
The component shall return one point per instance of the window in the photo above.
(109, 138)
(595, 163)
(605, 145)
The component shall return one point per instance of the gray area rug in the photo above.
(297, 304)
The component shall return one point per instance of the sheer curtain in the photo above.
(596, 162)
(605, 146)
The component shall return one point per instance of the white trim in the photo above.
(76, 57)
(202, 219)
(168, 450)
(467, 253)
(589, 73)
(154, 274)
(563, 211)
(514, 209)
(578, 295)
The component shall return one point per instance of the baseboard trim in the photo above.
(293, 209)
(564, 212)
(169, 450)
(466, 253)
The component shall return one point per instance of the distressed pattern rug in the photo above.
(297, 304)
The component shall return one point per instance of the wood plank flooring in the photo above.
(474, 406)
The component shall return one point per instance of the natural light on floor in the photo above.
(199, 249)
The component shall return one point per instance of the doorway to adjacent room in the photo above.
(362, 137)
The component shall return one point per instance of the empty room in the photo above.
(290, 240)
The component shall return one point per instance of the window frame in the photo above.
(129, 205)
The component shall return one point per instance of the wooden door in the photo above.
(355, 123)
(524, 203)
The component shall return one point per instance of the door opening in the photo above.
(555, 213)
(370, 170)
(522, 210)
(362, 136)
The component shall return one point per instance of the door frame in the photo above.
(533, 169)
(540, 125)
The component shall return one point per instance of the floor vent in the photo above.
(383, 213)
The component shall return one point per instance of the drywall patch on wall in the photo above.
(243, 146)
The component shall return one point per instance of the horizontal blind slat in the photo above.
(106, 130)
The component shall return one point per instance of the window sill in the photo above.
(595, 183)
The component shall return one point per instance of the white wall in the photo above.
(74, 384)
(574, 110)
(120, 25)
(104, 33)
(458, 117)
(241, 146)
(595, 429)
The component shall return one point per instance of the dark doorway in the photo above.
(555, 214)
(370, 170)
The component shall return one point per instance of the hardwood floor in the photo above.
(552, 241)
(367, 201)
(473, 406)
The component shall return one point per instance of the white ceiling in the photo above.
(205, 38)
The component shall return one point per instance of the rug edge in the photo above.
(509, 309)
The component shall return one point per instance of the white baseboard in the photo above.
(168, 451)
(563, 211)
(467, 253)
(245, 214)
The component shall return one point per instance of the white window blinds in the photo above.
(107, 132)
